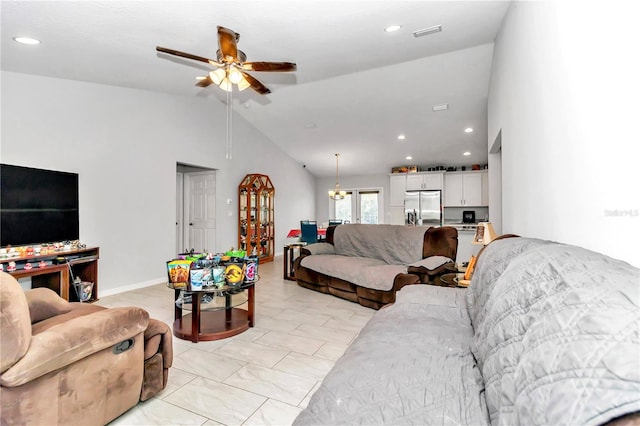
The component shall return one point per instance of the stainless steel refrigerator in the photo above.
(423, 208)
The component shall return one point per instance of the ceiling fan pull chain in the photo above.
(229, 124)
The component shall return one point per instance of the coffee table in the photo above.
(450, 280)
(214, 312)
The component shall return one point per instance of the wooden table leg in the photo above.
(285, 262)
(251, 304)
(196, 298)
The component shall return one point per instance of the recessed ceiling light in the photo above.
(401, 137)
(408, 157)
(26, 40)
(392, 28)
(310, 126)
(441, 107)
(468, 130)
(466, 153)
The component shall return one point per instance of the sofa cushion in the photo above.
(15, 323)
(45, 303)
(408, 365)
(362, 271)
(392, 244)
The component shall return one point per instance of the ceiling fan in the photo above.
(232, 68)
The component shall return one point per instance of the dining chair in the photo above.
(308, 231)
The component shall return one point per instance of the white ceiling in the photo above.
(355, 90)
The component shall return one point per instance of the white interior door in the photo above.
(201, 211)
(179, 212)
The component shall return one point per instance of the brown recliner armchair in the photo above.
(75, 363)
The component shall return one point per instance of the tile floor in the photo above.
(264, 376)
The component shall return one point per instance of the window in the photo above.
(359, 206)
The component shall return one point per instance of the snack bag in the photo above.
(196, 279)
(178, 272)
(234, 272)
(251, 270)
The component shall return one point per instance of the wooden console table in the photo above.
(289, 257)
(56, 276)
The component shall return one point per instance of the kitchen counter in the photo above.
(462, 226)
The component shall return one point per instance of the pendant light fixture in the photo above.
(336, 193)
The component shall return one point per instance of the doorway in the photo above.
(195, 209)
(495, 181)
(359, 206)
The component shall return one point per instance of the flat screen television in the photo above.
(37, 206)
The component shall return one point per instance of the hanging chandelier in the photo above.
(336, 193)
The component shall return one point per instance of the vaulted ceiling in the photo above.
(356, 89)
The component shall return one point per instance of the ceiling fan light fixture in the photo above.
(234, 75)
(226, 85)
(243, 84)
(217, 76)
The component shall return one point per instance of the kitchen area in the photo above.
(435, 198)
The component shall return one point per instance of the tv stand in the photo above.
(55, 275)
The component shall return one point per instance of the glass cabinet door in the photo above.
(256, 232)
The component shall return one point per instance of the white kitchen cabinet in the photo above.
(397, 186)
(465, 189)
(420, 181)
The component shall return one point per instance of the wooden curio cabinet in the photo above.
(255, 216)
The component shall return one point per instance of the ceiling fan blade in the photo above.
(269, 66)
(255, 84)
(204, 81)
(227, 41)
(186, 55)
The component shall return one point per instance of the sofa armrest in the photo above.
(431, 265)
(73, 340)
(158, 339)
(320, 248)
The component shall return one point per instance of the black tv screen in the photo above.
(37, 206)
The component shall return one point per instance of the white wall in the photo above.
(125, 144)
(564, 90)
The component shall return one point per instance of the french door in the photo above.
(359, 206)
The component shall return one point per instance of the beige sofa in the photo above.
(75, 363)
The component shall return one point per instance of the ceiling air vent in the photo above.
(427, 31)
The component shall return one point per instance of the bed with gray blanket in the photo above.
(546, 334)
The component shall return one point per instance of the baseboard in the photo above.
(136, 286)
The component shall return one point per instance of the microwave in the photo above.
(468, 216)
